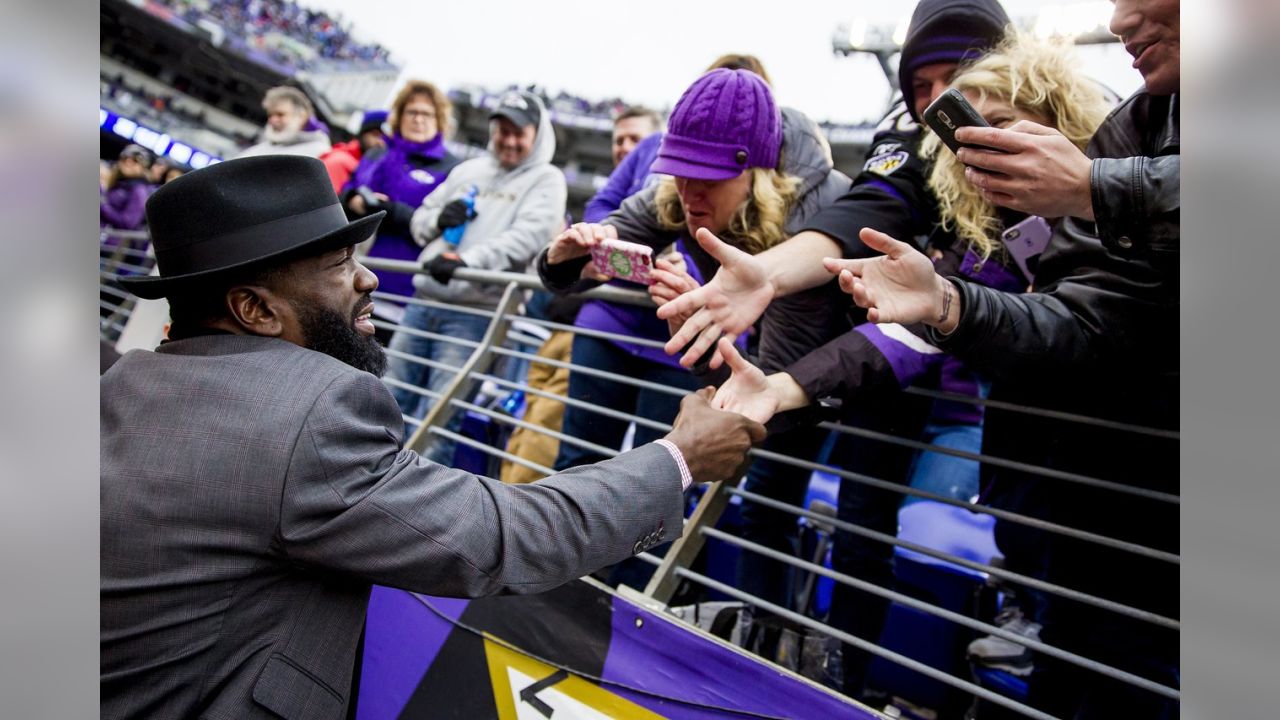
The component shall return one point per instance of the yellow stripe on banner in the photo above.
(572, 698)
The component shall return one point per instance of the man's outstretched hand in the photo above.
(899, 286)
(734, 299)
(714, 442)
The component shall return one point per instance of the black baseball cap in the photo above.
(520, 107)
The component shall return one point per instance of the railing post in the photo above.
(686, 548)
(479, 361)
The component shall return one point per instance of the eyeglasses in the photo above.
(415, 114)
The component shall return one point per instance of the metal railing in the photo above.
(676, 566)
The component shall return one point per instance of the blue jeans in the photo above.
(463, 326)
(648, 404)
(954, 477)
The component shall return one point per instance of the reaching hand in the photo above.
(734, 299)
(1033, 169)
(747, 391)
(714, 443)
(897, 287)
(577, 241)
(670, 281)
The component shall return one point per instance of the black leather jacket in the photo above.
(1106, 299)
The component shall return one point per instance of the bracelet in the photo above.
(946, 302)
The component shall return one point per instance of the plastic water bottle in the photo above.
(513, 405)
(453, 235)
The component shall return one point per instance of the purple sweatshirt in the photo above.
(124, 206)
(406, 172)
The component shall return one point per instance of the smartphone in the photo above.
(371, 201)
(1025, 241)
(624, 260)
(950, 112)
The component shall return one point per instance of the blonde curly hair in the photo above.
(1035, 76)
(758, 223)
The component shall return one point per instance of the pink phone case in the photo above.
(624, 260)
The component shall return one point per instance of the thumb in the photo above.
(881, 242)
(717, 248)
(731, 355)
(706, 393)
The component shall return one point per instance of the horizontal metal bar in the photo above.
(415, 300)
(126, 250)
(411, 388)
(424, 334)
(114, 308)
(137, 269)
(524, 280)
(526, 340)
(434, 364)
(1003, 573)
(905, 489)
(866, 646)
(126, 234)
(605, 374)
(1002, 462)
(114, 291)
(1044, 412)
(589, 332)
(509, 420)
(945, 614)
(582, 404)
(650, 558)
(490, 450)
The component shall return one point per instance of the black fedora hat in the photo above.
(235, 214)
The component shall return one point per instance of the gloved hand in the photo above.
(442, 266)
(454, 213)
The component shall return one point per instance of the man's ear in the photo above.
(257, 310)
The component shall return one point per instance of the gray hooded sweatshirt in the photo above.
(518, 211)
(312, 143)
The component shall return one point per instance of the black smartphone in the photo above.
(371, 201)
(950, 112)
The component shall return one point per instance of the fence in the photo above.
(500, 342)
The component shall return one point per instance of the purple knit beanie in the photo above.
(724, 123)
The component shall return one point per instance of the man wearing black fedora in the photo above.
(253, 483)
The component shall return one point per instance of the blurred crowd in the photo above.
(255, 19)
(1033, 261)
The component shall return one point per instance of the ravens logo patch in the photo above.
(885, 164)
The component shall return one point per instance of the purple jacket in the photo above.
(626, 180)
(124, 206)
(406, 172)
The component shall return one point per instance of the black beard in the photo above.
(328, 332)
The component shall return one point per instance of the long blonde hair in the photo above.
(757, 224)
(1035, 76)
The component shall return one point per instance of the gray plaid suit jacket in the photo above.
(252, 491)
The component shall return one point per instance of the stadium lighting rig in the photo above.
(1086, 23)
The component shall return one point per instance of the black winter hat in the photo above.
(234, 214)
(949, 31)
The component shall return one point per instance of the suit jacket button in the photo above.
(1124, 241)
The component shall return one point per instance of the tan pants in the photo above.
(544, 412)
